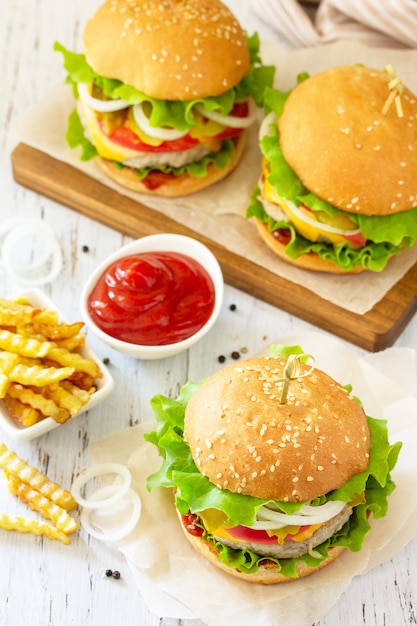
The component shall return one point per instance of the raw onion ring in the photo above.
(307, 515)
(265, 124)
(102, 106)
(16, 230)
(320, 225)
(94, 472)
(232, 121)
(93, 528)
(167, 134)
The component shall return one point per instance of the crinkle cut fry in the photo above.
(23, 525)
(37, 502)
(10, 462)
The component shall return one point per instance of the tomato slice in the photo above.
(358, 239)
(243, 533)
(124, 136)
(190, 526)
(282, 235)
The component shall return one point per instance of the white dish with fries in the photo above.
(78, 399)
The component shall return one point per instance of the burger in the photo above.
(275, 467)
(166, 92)
(338, 191)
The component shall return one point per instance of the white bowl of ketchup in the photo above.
(154, 297)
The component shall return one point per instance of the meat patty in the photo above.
(290, 548)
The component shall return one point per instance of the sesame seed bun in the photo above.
(335, 136)
(169, 49)
(245, 441)
(267, 573)
(175, 186)
(310, 261)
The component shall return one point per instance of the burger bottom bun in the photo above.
(310, 261)
(267, 574)
(182, 185)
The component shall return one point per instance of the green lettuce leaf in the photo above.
(173, 113)
(387, 235)
(195, 493)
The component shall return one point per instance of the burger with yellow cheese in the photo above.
(166, 92)
(338, 191)
(275, 467)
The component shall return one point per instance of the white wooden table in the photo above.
(44, 583)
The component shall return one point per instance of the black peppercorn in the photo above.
(109, 573)
(235, 355)
(221, 358)
(85, 249)
(116, 575)
(232, 307)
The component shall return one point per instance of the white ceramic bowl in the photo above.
(105, 385)
(157, 243)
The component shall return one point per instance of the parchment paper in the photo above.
(219, 211)
(175, 581)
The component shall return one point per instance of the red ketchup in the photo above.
(152, 298)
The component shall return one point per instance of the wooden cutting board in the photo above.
(374, 331)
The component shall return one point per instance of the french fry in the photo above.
(46, 406)
(37, 502)
(12, 312)
(15, 466)
(71, 343)
(75, 361)
(24, 414)
(23, 525)
(65, 398)
(25, 346)
(37, 375)
(77, 390)
(55, 332)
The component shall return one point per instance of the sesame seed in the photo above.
(320, 468)
(310, 479)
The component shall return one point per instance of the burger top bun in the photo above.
(342, 146)
(168, 49)
(244, 440)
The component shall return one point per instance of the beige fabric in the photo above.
(391, 23)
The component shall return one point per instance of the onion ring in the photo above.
(265, 124)
(15, 231)
(168, 134)
(320, 225)
(94, 472)
(102, 106)
(269, 519)
(93, 527)
(229, 120)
